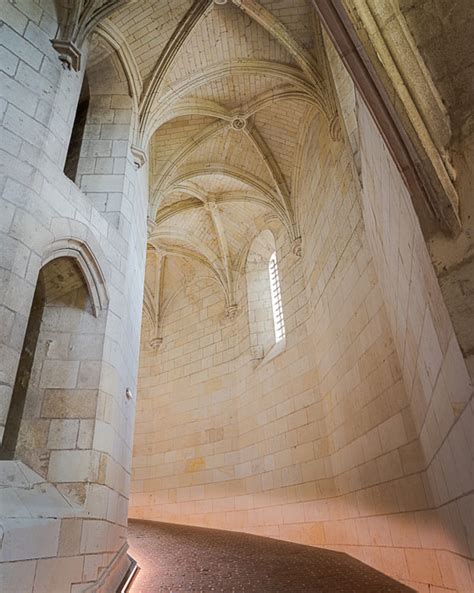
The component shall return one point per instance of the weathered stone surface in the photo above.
(221, 133)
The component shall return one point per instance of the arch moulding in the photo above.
(90, 268)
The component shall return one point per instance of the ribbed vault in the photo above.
(222, 93)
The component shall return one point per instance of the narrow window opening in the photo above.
(77, 135)
(277, 308)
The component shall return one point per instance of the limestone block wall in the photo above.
(324, 444)
(183, 437)
(433, 368)
(434, 372)
(68, 532)
(102, 162)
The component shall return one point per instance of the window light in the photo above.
(275, 289)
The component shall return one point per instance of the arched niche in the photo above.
(87, 264)
(53, 406)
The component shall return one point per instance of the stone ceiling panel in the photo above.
(235, 149)
(297, 16)
(242, 222)
(227, 110)
(171, 136)
(219, 183)
(225, 34)
(147, 26)
(198, 223)
(279, 125)
(238, 90)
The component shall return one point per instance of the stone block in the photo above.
(63, 434)
(94, 537)
(72, 466)
(57, 574)
(25, 539)
(11, 504)
(86, 434)
(69, 403)
(13, 38)
(59, 374)
(70, 537)
(17, 576)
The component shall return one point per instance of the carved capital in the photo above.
(231, 311)
(335, 128)
(297, 247)
(156, 342)
(150, 226)
(69, 55)
(256, 352)
(139, 156)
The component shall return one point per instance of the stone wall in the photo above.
(326, 444)
(433, 369)
(63, 525)
(434, 372)
(354, 435)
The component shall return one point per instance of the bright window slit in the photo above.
(278, 321)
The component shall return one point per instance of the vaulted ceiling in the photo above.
(223, 90)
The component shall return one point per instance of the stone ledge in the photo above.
(25, 494)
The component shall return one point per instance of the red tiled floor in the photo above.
(178, 558)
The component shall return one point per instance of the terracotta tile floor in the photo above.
(177, 558)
